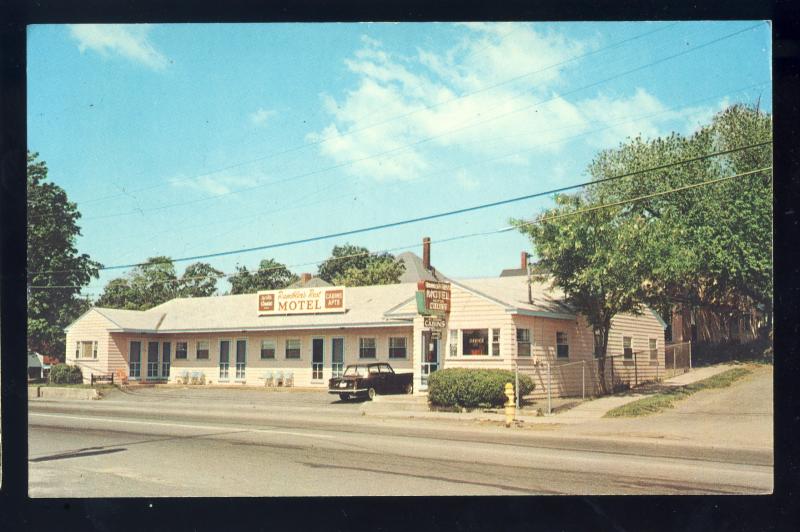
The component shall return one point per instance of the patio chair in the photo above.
(279, 379)
(184, 377)
(289, 379)
(269, 379)
(195, 377)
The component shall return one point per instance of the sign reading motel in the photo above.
(301, 301)
(437, 297)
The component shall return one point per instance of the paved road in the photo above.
(159, 444)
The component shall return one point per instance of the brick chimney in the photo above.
(426, 253)
(523, 261)
(305, 277)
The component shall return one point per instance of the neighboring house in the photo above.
(308, 280)
(492, 324)
(701, 324)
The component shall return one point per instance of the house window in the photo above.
(475, 342)
(94, 349)
(85, 349)
(366, 348)
(653, 349)
(523, 342)
(201, 349)
(181, 348)
(135, 360)
(496, 342)
(627, 347)
(293, 348)
(453, 342)
(77, 350)
(562, 345)
(267, 349)
(397, 347)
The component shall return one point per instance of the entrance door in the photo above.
(337, 357)
(166, 353)
(241, 358)
(135, 359)
(317, 357)
(224, 359)
(152, 359)
(430, 357)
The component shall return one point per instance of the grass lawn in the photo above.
(666, 399)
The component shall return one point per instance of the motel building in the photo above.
(303, 336)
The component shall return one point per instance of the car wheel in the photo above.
(344, 396)
(371, 394)
(408, 388)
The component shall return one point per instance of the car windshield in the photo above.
(355, 371)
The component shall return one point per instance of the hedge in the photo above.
(64, 374)
(470, 388)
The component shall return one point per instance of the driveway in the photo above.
(738, 416)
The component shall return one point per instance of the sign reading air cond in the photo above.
(301, 301)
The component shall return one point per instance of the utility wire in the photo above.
(396, 117)
(542, 219)
(430, 216)
(427, 139)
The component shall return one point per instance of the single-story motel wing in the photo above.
(255, 339)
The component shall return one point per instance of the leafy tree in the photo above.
(596, 257)
(150, 284)
(356, 266)
(342, 259)
(386, 271)
(714, 242)
(270, 275)
(56, 271)
(199, 280)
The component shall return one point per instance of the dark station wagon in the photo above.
(368, 380)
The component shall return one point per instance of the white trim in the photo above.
(366, 325)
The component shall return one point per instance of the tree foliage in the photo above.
(53, 262)
(383, 271)
(156, 282)
(271, 275)
(351, 265)
(710, 245)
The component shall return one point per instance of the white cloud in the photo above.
(466, 181)
(215, 184)
(261, 116)
(493, 95)
(129, 41)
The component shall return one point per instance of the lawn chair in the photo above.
(195, 377)
(184, 377)
(279, 379)
(289, 379)
(269, 379)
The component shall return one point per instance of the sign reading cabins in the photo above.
(301, 301)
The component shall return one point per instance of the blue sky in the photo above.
(185, 139)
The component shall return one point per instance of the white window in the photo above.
(653, 349)
(201, 349)
(562, 345)
(267, 349)
(293, 348)
(453, 342)
(523, 342)
(397, 347)
(627, 346)
(496, 342)
(85, 349)
(366, 348)
(181, 348)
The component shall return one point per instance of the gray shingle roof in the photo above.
(415, 271)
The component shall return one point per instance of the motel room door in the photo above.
(337, 356)
(430, 357)
(317, 358)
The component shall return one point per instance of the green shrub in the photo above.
(470, 388)
(64, 374)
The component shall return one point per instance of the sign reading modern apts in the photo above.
(301, 301)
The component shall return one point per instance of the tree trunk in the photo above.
(600, 349)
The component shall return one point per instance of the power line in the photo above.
(395, 117)
(431, 216)
(542, 219)
(427, 139)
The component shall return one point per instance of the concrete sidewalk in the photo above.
(398, 406)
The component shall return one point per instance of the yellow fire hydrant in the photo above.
(510, 404)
